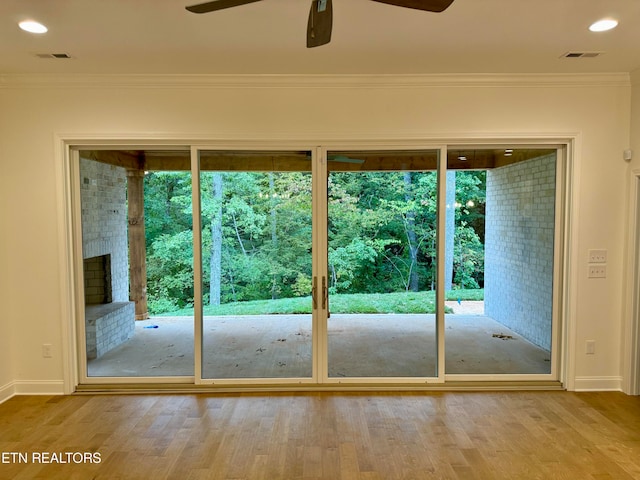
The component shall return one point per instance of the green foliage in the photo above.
(170, 271)
(399, 302)
(381, 233)
(167, 204)
(169, 237)
(347, 263)
(468, 262)
(468, 258)
(302, 286)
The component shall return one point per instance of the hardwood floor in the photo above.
(441, 435)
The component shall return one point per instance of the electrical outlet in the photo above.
(591, 347)
(47, 350)
(597, 271)
(597, 256)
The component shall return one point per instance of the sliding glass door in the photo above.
(501, 282)
(137, 264)
(382, 263)
(317, 265)
(256, 237)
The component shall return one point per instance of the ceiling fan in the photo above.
(321, 14)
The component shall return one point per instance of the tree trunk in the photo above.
(216, 242)
(411, 235)
(238, 236)
(450, 230)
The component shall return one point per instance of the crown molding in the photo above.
(8, 81)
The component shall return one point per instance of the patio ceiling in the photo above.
(172, 160)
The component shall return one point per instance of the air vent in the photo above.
(53, 55)
(581, 54)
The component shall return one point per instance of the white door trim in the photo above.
(631, 324)
(65, 144)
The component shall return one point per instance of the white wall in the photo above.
(6, 371)
(635, 118)
(594, 108)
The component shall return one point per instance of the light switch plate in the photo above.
(598, 271)
(597, 256)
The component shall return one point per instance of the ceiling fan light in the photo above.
(603, 25)
(32, 26)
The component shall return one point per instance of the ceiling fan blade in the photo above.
(426, 5)
(320, 23)
(217, 5)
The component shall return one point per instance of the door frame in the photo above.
(72, 331)
(562, 264)
(631, 326)
(198, 277)
(441, 172)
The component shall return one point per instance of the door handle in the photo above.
(325, 293)
(314, 293)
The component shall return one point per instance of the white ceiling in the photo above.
(268, 37)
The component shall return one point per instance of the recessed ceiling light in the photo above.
(32, 27)
(603, 25)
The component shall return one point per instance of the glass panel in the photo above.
(499, 262)
(257, 265)
(138, 266)
(382, 264)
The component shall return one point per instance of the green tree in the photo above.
(169, 240)
(468, 263)
(257, 234)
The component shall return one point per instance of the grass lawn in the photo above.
(399, 302)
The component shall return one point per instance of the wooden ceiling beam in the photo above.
(457, 159)
(118, 158)
(170, 163)
(518, 156)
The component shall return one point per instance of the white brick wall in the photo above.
(104, 220)
(103, 192)
(107, 326)
(520, 222)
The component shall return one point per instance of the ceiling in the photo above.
(268, 37)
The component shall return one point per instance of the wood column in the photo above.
(137, 243)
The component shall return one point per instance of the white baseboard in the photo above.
(56, 387)
(7, 391)
(31, 387)
(39, 387)
(597, 384)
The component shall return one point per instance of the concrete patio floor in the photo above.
(362, 345)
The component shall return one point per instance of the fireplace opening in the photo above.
(97, 280)
(108, 324)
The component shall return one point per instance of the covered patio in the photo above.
(360, 345)
(518, 280)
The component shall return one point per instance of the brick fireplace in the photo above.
(109, 315)
(97, 280)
